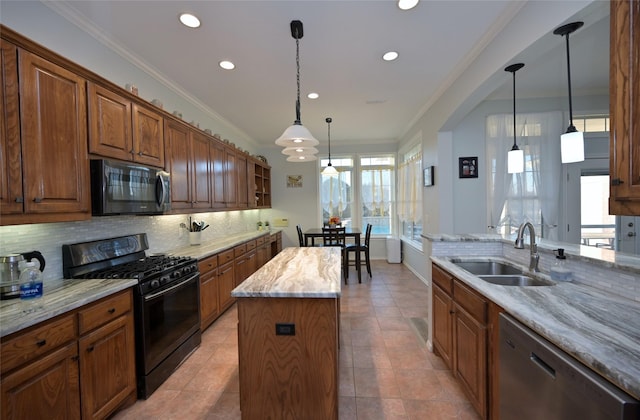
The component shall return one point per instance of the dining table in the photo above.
(311, 234)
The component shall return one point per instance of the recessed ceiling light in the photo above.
(407, 4)
(390, 56)
(227, 65)
(189, 20)
(313, 95)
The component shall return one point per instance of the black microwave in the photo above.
(128, 188)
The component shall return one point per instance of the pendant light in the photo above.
(515, 157)
(329, 170)
(297, 134)
(571, 142)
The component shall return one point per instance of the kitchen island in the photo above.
(288, 313)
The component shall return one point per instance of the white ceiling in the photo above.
(369, 99)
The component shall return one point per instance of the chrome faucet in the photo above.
(533, 248)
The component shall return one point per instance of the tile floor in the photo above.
(386, 371)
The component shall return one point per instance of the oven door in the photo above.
(167, 318)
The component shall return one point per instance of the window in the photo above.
(361, 193)
(410, 196)
(591, 123)
(598, 226)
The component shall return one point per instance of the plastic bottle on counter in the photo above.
(30, 281)
(559, 271)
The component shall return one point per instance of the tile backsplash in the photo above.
(164, 233)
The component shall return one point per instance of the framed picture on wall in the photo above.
(428, 176)
(468, 167)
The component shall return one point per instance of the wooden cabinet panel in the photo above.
(208, 291)
(107, 367)
(46, 389)
(54, 137)
(471, 358)
(103, 312)
(241, 181)
(148, 136)
(624, 103)
(218, 161)
(109, 124)
(473, 303)
(201, 171)
(442, 279)
(179, 164)
(231, 178)
(11, 195)
(226, 283)
(443, 325)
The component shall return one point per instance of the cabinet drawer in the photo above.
(250, 245)
(225, 257)
(273, 238)
(104, 312)
(442, 279)
(32, 344)
(473, 303)
(208, 264)
(240, 250)
(260, 241)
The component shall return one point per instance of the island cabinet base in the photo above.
(288, 358)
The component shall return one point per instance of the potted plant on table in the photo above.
(334, 221)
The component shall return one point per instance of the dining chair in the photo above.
(359, 248)
(335, 236)
(300, 238)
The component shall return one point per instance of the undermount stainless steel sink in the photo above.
(515, 280)
(480, 268)
(500, 273)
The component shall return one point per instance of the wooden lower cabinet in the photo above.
(208, 291)
(44, 389)
(226, 283)
(460, 336)
(291, 376)
(80, 365)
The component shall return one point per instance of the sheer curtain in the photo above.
(410, 189)
(531, 196)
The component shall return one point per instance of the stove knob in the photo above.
(155, 284)
(186, 270)
(164, 280)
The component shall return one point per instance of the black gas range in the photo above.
(166, 300)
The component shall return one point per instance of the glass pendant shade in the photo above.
(299, 151)
(515, 161)
(297, 135)
(572, 147)
(329, 170)
(302, 158)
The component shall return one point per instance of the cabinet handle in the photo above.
(452, 311)
(75, 358)
(37, 200)
(112, 310)
(19, 199)
(132, 151)
(139, 153)
(89, 349)
(41, 343)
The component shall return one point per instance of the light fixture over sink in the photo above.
(297, 134)
(515, 157)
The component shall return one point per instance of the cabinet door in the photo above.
(208, 298)
(252, 185)
(240, 269)
(178, 164)
(442, 325)
(470, 354)
(107, 367)
(54, 137)
(226, 283)
(201, 171)
(148, 140)
(109, 123)
(624, 91)
(45, 389)
(241, 181)
(11, 196)
(231, 178)
(218, 184)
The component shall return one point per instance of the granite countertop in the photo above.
(600, 256)
(59, 296)
(216, 245)
(312, 272)
(600, 330)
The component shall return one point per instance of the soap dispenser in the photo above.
(559, 271)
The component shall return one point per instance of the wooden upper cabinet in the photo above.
(11, 196)
(109, 123)
(241, 181)
(219, 165)
(624, 102)
(201, 173)
(231, 178)
(124, 130)
(148, 140)
(55, 162)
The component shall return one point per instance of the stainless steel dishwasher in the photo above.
(540, 381)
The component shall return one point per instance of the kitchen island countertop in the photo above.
(296, 272)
